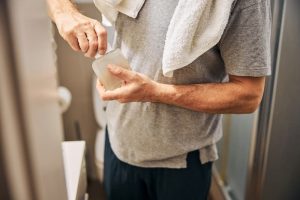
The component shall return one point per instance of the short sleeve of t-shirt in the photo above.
(245, 44)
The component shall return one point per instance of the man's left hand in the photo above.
(136, 87)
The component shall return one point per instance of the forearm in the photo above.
(211, 98)
(240, 95)
(56, 7)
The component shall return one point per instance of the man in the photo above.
(163, 131)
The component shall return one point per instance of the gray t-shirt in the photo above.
(158, 135)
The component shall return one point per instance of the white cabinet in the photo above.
(75, 169)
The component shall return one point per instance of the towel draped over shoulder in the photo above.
(196, 26)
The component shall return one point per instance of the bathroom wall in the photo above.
(234, 150)
(75, 73)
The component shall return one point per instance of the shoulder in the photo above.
(250, 11)
(239, 5)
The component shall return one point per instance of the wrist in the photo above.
(157, 92)
(61, 13)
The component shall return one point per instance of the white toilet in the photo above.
(100, 137)
(100, 116)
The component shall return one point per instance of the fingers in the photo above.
(108, 95)
(102, 38)
(93, 43)
(87, 40)
(100, 88)
(113, 94)
(93, 40)
(82, 33)
(121, 73)
(73, 42)
(83, 42)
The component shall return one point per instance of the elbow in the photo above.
(251, 102)
(252, 106)
(249, 93)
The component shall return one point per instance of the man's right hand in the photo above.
(82, 33)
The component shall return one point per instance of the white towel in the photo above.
(111, 8)
(196, 26)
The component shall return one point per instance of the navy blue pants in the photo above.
(127, 182)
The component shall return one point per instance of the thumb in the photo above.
(120, 72)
